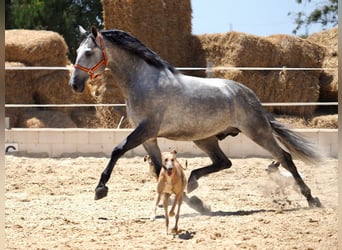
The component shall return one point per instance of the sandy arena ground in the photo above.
(50, 205)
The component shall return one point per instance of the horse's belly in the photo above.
(192, 132)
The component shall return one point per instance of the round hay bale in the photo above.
(328, 78)
(35, 47)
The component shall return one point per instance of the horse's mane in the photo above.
(132, 44)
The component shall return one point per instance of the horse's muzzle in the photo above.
(76, 86)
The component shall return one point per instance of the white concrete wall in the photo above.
(65, 142)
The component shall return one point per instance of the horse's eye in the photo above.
(172, 160)
(88, 53)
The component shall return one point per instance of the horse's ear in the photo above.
(94, 31)
(82, 30)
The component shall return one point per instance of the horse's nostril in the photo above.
(77, 87)
(74, 87)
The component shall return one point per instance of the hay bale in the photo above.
(42, 48)
(325, 121)
(327, 38)
(238, 49)
(35, 47)
(18, 87)
(328, 78)
(30, 87)
(18, 90)
(36, 118)
(280, 86)
(53, 88)
(293, 51)
(105, 90)
(163, 25)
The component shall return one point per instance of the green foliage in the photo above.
(62, 16)
(325, 13)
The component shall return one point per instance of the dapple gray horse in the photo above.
(162, 102)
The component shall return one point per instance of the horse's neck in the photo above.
(125, 67)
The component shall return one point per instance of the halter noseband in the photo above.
(104, 60)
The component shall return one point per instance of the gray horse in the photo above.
(162, 102)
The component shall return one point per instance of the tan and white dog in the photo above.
(171, 180)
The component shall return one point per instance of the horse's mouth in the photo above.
(77, 88)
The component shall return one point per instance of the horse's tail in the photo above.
(297, 145)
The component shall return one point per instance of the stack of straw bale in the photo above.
(162, 25)
(38, 48)
(35, 48)
(328, 78)
(244, 50)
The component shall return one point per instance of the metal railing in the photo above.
(209, 69)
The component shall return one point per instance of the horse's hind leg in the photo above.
(288, 163)
(266, 140)
(219, 161)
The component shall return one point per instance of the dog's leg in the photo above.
(153, 216)
(178, 200)
(172, 211)
(165, 204)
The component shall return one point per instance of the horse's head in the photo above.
(91, 59)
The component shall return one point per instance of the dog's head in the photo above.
(273, 167)
(169, 159)
(148, 159)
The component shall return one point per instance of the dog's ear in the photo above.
(274, 164)
(174, 152)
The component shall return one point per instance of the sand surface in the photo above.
(49, 204)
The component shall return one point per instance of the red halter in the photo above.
(104, 60)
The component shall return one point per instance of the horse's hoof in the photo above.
(192, 185)
(101, 192)
(315, 202)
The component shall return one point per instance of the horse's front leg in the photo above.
(142, 133)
